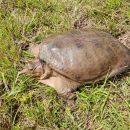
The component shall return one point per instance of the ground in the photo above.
(26, 104)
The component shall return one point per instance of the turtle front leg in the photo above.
(61, 84)
(47, 72)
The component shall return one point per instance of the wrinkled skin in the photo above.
(68, 60)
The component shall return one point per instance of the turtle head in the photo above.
(34, 68)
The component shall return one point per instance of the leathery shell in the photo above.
(85, 55)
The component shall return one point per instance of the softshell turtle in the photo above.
(71, 59)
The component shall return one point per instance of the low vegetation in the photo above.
(26, 104)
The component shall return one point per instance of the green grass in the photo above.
(24, 103)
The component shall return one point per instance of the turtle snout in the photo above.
(33, 69)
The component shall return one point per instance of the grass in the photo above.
(26, 104)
